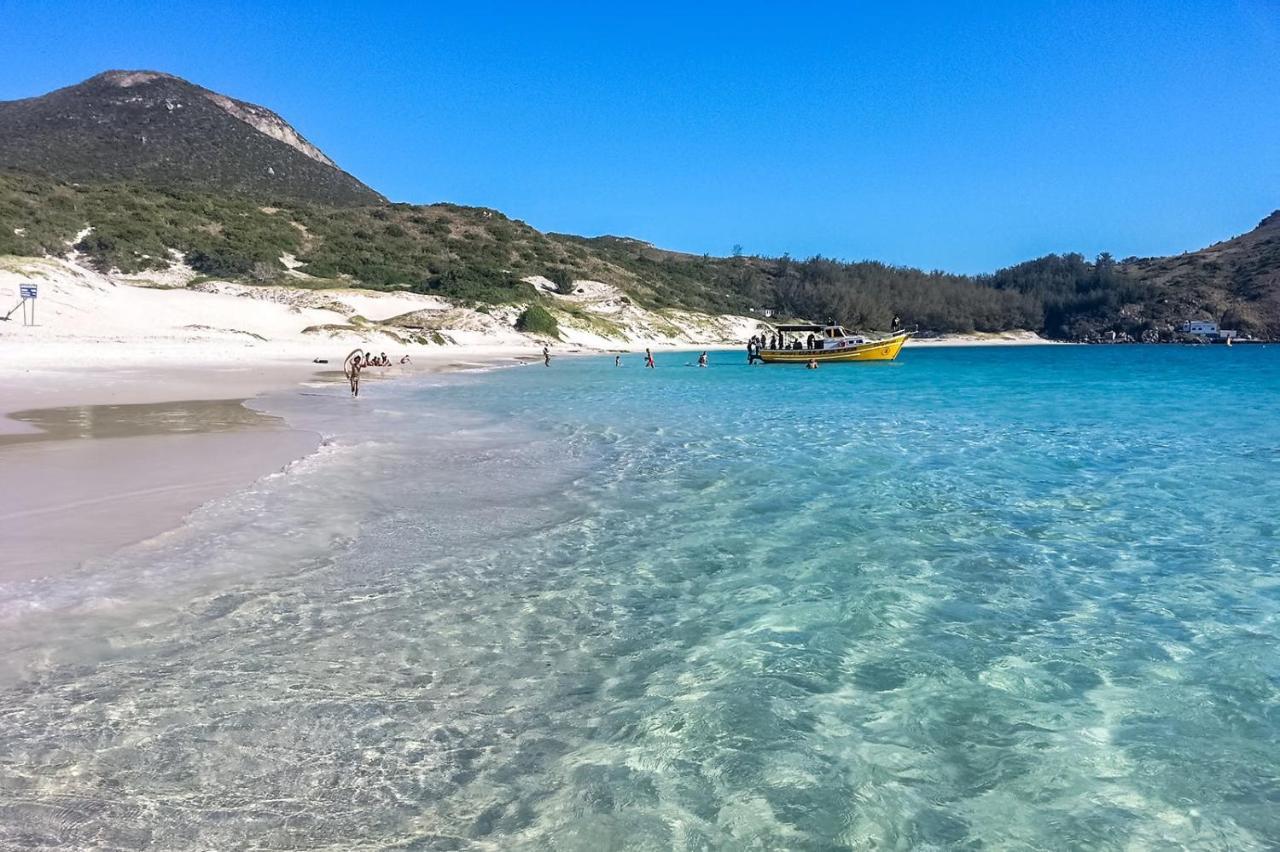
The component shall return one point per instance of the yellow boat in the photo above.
(832, 343)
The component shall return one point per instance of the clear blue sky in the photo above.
(958, 136)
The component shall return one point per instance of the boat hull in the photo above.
(873, 350)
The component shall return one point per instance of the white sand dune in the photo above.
(87, 318)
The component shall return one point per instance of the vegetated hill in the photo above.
(466, 253)
(479, 256)
(1236, 282)
(157, 129)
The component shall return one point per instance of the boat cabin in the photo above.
(815, 338)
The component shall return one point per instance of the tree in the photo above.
(563, 279)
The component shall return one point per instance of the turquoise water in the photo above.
(976, 598)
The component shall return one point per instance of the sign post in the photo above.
(28, 293)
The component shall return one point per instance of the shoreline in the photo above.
(88, 490)
(122, 454)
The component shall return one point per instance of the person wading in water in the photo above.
(546, 357)
(648, 358)
(353, 376)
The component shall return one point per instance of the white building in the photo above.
(1205, 328)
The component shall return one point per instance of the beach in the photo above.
(99, 456)
(670, 430)
(134, 341)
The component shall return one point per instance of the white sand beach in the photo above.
(134, 341)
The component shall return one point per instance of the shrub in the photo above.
(475, 284)
(563, 279)
(538, 320)
(219, 263)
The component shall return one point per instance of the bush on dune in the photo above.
(538, 320)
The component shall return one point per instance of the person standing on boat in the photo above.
(897, 322)
(810, 341)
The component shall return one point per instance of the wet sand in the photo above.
(71, 500)
(96, 458)
(86, 480)
(83, 422)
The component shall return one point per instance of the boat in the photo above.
(832, 343)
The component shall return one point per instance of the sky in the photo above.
(956, 136)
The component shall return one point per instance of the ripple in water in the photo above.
(983, 598)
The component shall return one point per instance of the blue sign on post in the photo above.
(28, 291)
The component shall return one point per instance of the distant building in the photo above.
(1205, 328)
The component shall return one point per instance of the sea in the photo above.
(976, 598)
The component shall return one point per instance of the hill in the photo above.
(477, 256)
(1236, 282)
(472, 255)
(139, 171)
(157, 129)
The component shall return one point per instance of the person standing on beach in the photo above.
(546, 356)
(648, 358)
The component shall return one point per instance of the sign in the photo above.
(27, 291)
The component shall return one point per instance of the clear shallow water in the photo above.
(976, 598)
